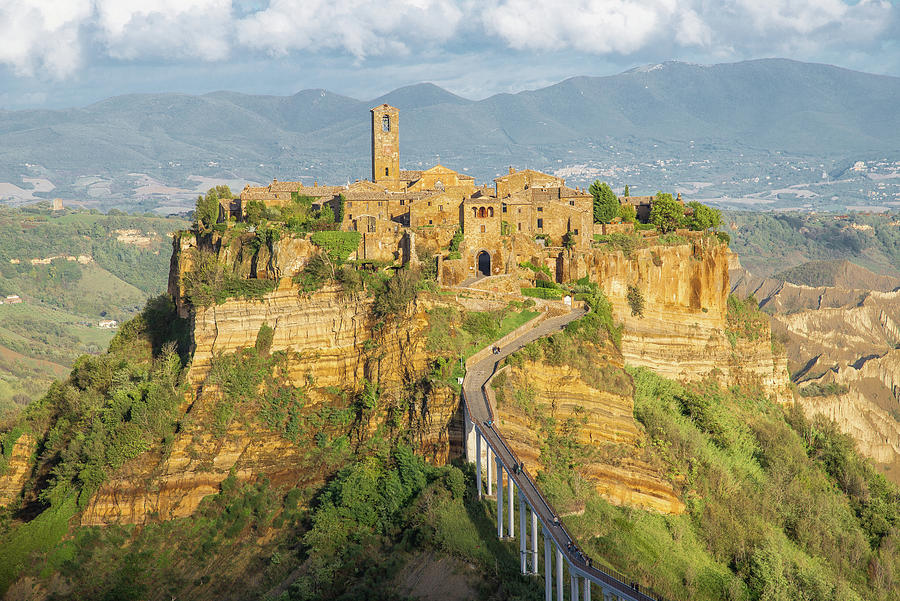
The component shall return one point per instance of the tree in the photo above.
(256, 210)
(666, 213)
(626, 191)
(606, 205)
(339, 209)
(628, 213)
(207, 211)
(704, 217)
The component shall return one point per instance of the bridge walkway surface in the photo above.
(481, 422)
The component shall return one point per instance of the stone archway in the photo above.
(484, 263)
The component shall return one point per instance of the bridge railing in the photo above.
(595, 574)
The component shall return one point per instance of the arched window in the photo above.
(439, 185)
(490, 211)
(386, 123)
(481, 212)
(474, 211)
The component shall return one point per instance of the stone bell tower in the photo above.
(385, 145)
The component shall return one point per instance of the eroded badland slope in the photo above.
(841, 347)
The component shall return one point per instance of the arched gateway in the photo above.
(484, 263)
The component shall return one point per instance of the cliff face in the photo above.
(843, 341)
(18, 467)
(536, 399)
(682, 333)
(332, 345)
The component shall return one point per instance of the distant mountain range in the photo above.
(756, 106)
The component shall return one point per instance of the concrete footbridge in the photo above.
(485, 445)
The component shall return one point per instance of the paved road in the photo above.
(480, 412)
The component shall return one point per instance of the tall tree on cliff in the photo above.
(606, 205)
(666, 213)
(207, 211)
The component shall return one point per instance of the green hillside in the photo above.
(64, 299)
(772, 242)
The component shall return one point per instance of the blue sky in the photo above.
(60, 53)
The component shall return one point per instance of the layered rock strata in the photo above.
(617, 465)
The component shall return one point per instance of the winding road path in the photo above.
(482, 416)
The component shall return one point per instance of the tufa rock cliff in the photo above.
(535, 402)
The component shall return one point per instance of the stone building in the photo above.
(527, 210)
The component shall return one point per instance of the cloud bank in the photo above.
(53, 39)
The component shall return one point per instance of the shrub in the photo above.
(337, 245)
(635, 300)
(456, 240)
(819, 389)
(619, 241)
(397, 293)
(264, 339)
(545, 293)
(536, 268)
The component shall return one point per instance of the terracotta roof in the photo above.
(410, 176)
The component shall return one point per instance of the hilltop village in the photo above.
(403, 215)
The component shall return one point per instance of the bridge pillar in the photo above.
(522, 537)
(548, 568)
(499, 499)
(510, 498)
(560, 587)
(534, 543)
(587, 589)
(573, 584)
(478, 461)
(490, 475)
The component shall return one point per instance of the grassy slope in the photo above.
(777, 508)
(57, 322)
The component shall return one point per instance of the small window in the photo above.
(350, 217)
(520, 211)
(490, 211)
(387, 171)
(504, 207)
(429, 203)
(540, 209)
(402, 202)
(482, 229)
(576, 232)
(572, 202)
(349, 204)
(520, 226)
(386, 124)
(429, 222)
(379, 203)
(440, 207)
(540, 224)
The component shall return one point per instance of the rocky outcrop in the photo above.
(18, 467)
(682, 331)
(332, 345)
(536, 397)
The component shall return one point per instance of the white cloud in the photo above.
(724, 27)
(359, 27)
(134, 29)
(48, 38)
(42, 37)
